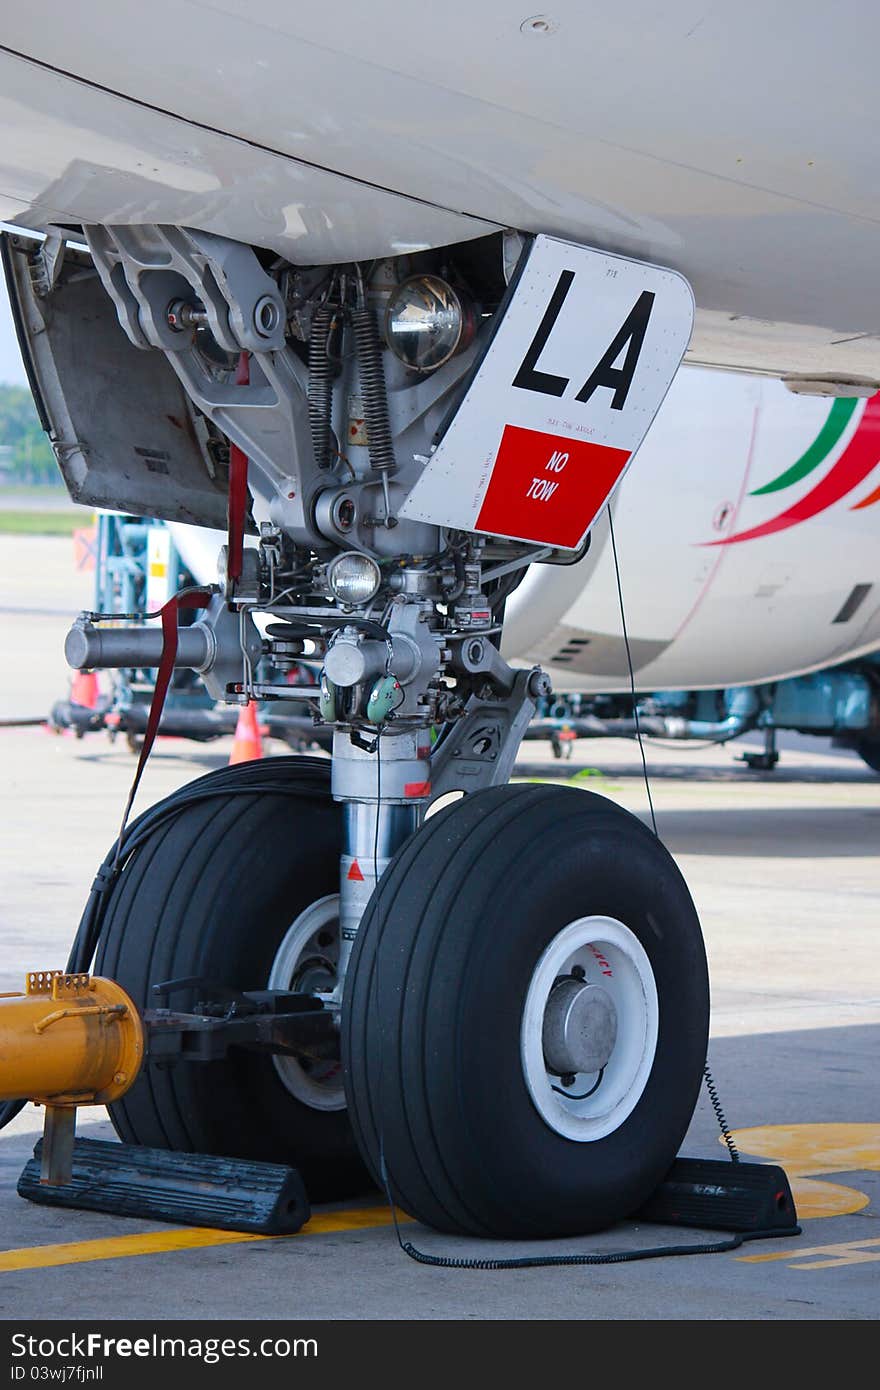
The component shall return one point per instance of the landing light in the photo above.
(427, 322)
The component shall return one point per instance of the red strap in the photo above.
(236, 507)
(192, 598)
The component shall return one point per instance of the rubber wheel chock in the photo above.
(718, 1195)
(189, 1189)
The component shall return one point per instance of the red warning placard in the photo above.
(548, 488)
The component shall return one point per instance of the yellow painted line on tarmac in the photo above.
(188, 1238)
(846, 1252)
(812, 1150)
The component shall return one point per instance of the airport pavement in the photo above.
(783, 868)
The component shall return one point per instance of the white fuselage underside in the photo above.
(737, 146)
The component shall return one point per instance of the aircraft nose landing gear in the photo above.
(519, 982)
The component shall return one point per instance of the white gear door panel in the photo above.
(563, 397)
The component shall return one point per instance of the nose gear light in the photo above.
(427, 322)
(354, 578)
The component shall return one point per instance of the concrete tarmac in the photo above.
(783, 868)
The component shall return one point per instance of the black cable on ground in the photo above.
(613, 1257)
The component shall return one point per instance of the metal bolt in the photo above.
(182, 315)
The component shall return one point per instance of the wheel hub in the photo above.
(306, 962)
(580, 1028)
(589, 1028)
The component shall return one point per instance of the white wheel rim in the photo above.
(613, 957)
(319, 1084)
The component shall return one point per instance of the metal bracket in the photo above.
(58, 984)
(476, 654)
(148, 269)
(45, 264)
(176, 1037)
(267, 1020)
(481, 748)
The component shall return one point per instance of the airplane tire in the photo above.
(217, 892)
(500, 900)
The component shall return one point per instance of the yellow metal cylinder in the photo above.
(68, 1040)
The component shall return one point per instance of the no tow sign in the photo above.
(563, 398)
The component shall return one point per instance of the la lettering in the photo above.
(630, 335)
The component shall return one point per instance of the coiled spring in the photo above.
(321, 384)
(373, 390)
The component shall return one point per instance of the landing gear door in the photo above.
(563, 397)
(121, 425)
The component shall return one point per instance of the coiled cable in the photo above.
(719, 1115)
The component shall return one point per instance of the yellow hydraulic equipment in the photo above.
(69, 1040)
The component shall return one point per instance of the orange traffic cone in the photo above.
(247, 744)
(84, 689)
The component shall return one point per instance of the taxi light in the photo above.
(353, 578)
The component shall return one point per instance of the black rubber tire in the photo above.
(211, 893)
(434, 1001)
(869, 750)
